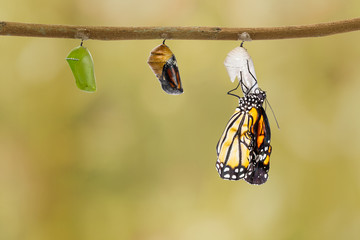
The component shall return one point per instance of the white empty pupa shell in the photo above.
(236, 63)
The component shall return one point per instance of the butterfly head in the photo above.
(260, 95)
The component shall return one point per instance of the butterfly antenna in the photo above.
(268, 103)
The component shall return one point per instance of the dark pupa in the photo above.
(163, 63)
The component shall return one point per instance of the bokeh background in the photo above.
(131, 162)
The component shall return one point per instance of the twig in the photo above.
(190, 33)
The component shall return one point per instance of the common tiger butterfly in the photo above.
(243, 151)
(164, 65)
(82, 67)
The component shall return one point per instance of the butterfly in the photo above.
(243, 151)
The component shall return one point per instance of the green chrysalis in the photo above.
(82, 66)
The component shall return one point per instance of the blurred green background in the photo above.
(131, 162)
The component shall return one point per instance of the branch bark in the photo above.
(189, 33)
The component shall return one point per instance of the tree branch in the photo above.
(189, 33)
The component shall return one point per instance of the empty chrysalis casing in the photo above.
(239, 64)
(163, 63)
(82, 66)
